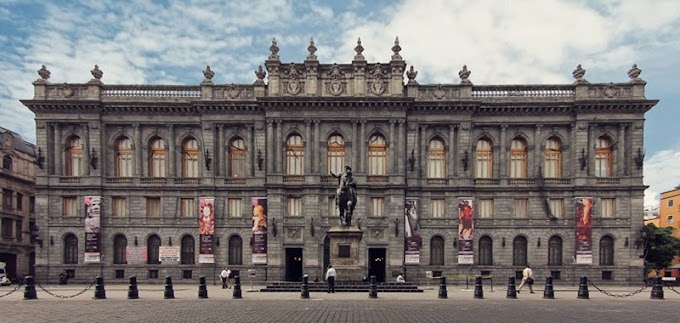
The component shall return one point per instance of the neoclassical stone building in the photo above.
(526, 156)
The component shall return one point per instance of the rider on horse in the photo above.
(345, 180)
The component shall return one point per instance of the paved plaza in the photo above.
(460, 306)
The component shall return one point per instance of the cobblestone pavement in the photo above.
(339, 307)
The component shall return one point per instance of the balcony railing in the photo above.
(153, 180)
(438, 181)
(487, 181)
(293, 179)
(69, 180)
(119, 180)
(328, 179)
(187, 181)
(521, 181)
(235, 181)
(557, 181)
(377, 179)
(607, 180)
(491, 91)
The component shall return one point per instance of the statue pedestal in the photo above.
(344, 253)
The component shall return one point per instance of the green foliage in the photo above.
(660, 247)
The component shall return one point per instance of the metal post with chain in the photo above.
(66, 296)
(621, 295)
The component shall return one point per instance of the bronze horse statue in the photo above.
(348, 200)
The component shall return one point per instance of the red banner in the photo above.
(466, 211)
(206, 229)
(584, 243)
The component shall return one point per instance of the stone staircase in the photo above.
(343, 286)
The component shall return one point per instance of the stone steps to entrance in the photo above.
(347, 287)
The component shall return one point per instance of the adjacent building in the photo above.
(669, 210)
(453, 179)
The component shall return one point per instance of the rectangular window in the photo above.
(7, 228)
(521, 208)
(557, 208)
(187, 274)
(670, 219)
(438, 208)
(333, 209)
(294, 206)
(120, 273)
(7, 198)
(153, 273)
(119, 205)
(235, 208)
(670, 203)
(188, 208)
(20, 201)
(377, 206)
(485, 208)
(18, 231)
(70, 205)
(608, 208)
(153, 207)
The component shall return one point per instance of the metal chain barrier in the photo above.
(621, 295)
(673, 289)
(66, 296)
(12, 291)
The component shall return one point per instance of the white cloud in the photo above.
(661, 173)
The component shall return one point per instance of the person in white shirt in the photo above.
(527, 274)
(400, 279)
(224, 275)
(330, 277)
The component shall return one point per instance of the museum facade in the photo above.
(452, 179)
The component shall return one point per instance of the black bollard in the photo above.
(549, 292)
(479, 293)
(133, 292)
(29, 291)
(372, 288)
(583, 288)
(202, 290)
(237, 288)
(443, 294)
(305, 287)
(168, 293)
(99, 292)
(657, 289)
(512, 291)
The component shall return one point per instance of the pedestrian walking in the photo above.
(330, 277)
(527, 278)
(224, 275)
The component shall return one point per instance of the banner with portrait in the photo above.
(412, 241)
(259, 230)
(584, 243)
(206, 230)
(92, 229)
(466, 212)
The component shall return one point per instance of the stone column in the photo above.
(355, 145)
(171, 151)
(537, 151)
(621, 151)
(502, 168)
(269, 154)
(362, 148)
(317, 153)
(220, 160)
(422, 153)
(391, 152)
(58, 150)
(308, 149)
(402, 148)
(465, 145)
(280, 142)
(138, 149)
(250, 151)
(86, 149)
(590, 150)
(452, 161)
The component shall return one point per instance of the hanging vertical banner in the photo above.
(259, 230)
(92, 229)
(206, 230)
(412, 232)
(466, 211)
(584, 245)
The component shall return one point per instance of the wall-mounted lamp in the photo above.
(274, 227)
(639, 159)
(455, 242)
(39, 159)
(583, 159)
(208, 160)
(35, 236)
(311, 227)
(625, 243)
(169, 241)
(412, 159)
(217, 241)
(465, 160)
(538, 243)
(136, 242)
(396, 227)
(93, 159)
(503, 242)
(260, 159)
(51, 240)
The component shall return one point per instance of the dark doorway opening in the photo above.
(11, 261)
(294, 264)
(376, 263)
(326, 255)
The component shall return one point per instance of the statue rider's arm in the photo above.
(335, 176)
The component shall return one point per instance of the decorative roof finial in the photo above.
(260, 73)
(359, 49)
(411, 74)
(464, 74)
(274, 49)
(312, 49)
(208, 73)
(578, 74)
(634, 73)
(44, 73)
(97, 73)
(396, 49)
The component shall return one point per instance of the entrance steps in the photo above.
(343, 286)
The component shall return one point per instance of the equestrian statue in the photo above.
(346, 196)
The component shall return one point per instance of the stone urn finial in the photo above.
(634, 73)
(44, 73)
(208, 74)
(97, 73)
(312, 49)
(411, 74)
(395, 50)
(578, 74)
(464, 74)
(274, 49)
(359, 49)
(260, 73)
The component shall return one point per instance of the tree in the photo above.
(660, 247)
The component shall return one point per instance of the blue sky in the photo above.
(501, 42)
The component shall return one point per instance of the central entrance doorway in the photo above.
(293, 264)
(376, 264)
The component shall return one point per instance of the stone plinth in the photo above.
(344, 253)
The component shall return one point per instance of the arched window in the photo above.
(188, 250)
(603, 157)
(485, 251)
(235, 250)
(190, 158)
(237, 158)
(124, 154)
(295, 155)
(552, 163)
(484, 159)
(436, 159)
(607, 251)
(336, 154)
(519, 251)
(437, 251)
(74, 156)
(7, 162)
(152, 250)
(157, 157)
(119, 246)
(377, 155)
(71, 249)
(518, 159)
(555, 251)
